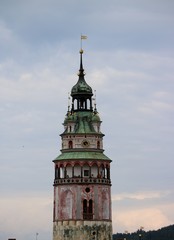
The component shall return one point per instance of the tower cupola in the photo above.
(81, 92)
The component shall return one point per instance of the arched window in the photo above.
(102, 171)
(75, 104)
(57, 172)
(70, 144)
(90, 207)
(98, 128)
(82, 103)
(107, 172)
(68, 171)
(62, 171)
(86, 171)
(88, 104)
(84, 208)
(77, 170)
(98, 144)
(87, 209)
(94, 170)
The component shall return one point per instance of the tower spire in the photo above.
(81, 92)
(81, 70)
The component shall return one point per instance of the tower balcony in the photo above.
(82, 180)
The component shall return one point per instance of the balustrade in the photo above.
(82, 180)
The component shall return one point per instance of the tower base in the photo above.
(82, 230)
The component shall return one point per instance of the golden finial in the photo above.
(81, 51)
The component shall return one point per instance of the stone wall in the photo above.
(82, 230)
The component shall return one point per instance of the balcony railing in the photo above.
(83, 180)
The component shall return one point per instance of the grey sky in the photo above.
(129, 60)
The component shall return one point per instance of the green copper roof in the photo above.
(84, 126)
(96, 117)
(83, 121)
(81, 87)
(82, 155)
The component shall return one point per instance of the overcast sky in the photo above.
(129, 61)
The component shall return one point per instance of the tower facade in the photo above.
(82, 185)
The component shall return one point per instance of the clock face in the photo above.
(85, 143)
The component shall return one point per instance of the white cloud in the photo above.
(156, 107)
(131, 220)
(148, 209)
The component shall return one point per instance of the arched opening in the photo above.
(85, 209)
(62, 171)
(98, 144)
(57, 172)
(86, 171)
(90, 206)
(98, 128)
(102, 171)
(68, 171)
(82, 103)
(70, 144)
(94, 171)
(75, 104)
(77, 170)
(107, 172)
(88, 104)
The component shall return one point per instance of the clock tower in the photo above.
(82, 184)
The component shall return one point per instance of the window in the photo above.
(90, 206)
(87, 209)
(98, 144)
(57, 172)
(86, 173)
(70, 144)
(87, 189)
(84, 206)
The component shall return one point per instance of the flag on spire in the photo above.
(83, 37)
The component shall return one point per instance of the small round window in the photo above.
(87, 189)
